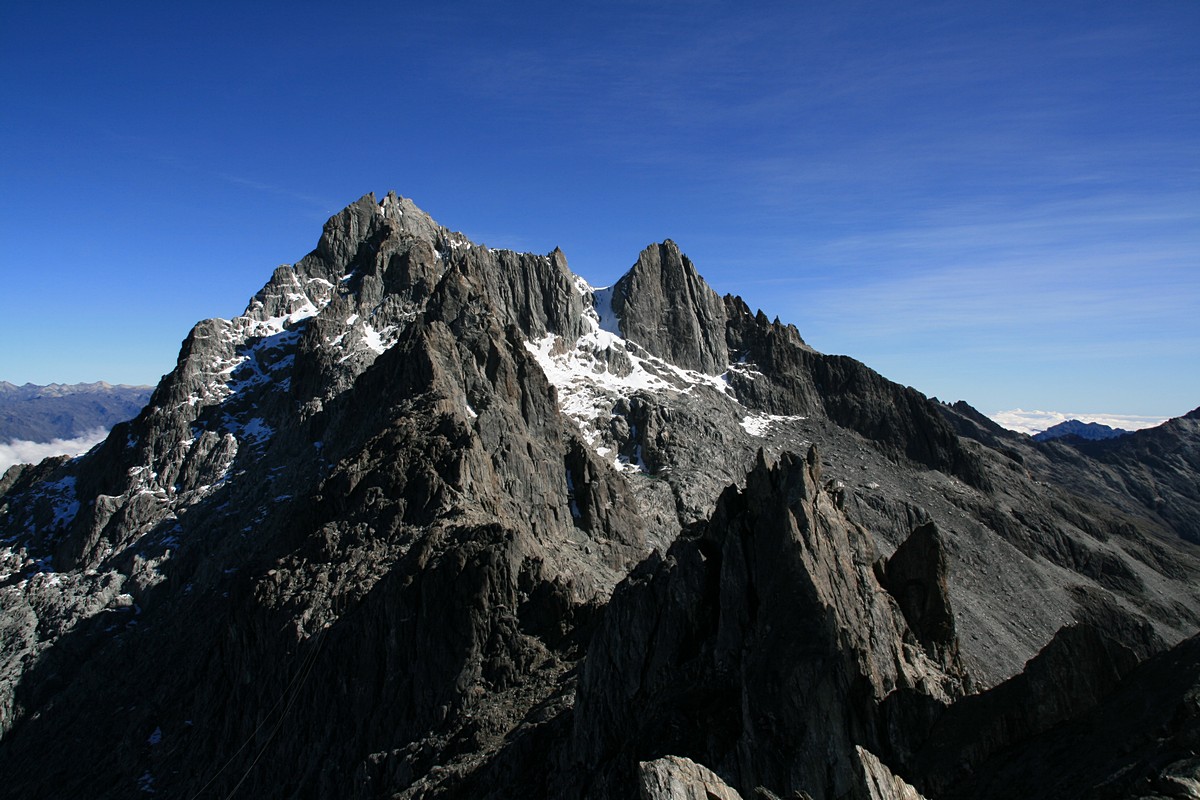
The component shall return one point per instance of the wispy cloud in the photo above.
(1028, 296)
(322, 203)
(23, 451)
(1109, 264)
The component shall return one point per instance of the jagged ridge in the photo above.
(405, 482)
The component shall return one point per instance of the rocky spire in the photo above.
(667, 308)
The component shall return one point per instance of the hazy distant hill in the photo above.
(1092, 431)
(65, 411)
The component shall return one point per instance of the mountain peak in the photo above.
(665, 306)
(1084, 430)
(499, 528)
(365, 218)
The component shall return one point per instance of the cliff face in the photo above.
(766, 636)
(430, 519)
(665, 306)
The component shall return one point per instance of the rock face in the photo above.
(675, 778)
(881, 783)
(666, 307)
(1137, 741)
(764, 645)
(434, 520)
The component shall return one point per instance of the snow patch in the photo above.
(146, 783)
(592, 373)
(254, 430)
(605, 315)
(743, 368)
(374, 340)
(760, 424)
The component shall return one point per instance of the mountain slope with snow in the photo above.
(448, 521)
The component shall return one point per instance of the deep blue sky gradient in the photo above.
(994, 202)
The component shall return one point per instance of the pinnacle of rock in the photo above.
(665, 306)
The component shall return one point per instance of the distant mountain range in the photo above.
(36, 413)
(1034, 422)
(1091, 431)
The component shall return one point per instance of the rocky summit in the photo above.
(435, 520)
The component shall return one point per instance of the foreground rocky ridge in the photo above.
(363, 539)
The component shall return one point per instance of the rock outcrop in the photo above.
(764, 645)
(667, 308)
(675, 778)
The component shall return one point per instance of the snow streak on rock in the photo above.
(761, 424)
(601, 367)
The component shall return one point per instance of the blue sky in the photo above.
(993, 202)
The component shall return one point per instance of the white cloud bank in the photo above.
(1032, 422)
(23, 451)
